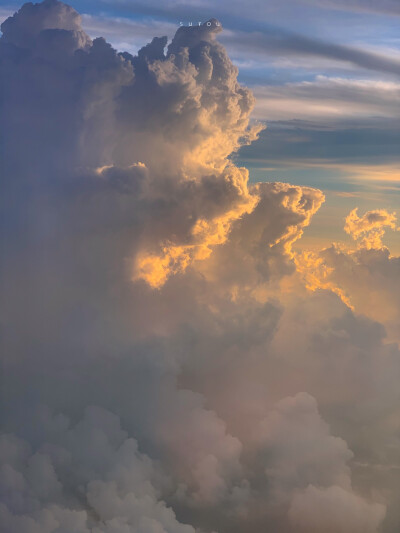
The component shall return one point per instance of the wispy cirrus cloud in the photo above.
(385, 7)
(326, 99)
(274, 41)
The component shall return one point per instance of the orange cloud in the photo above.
(369, 228)
(208, 230)
(365, 278)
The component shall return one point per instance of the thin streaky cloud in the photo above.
(328, 99)
(383, 7)
(260, 35)
(281, 42)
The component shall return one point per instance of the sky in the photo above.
(200, 297)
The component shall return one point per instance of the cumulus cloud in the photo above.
(89, 477)
(199, 116)
(334, 510)
(298, 444)
(365, 277)
(370, 228)
(166, 367)
(308, 467)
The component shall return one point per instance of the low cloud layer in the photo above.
(170, 363)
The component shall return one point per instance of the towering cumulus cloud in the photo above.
(171, 363)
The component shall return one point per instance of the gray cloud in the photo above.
(389, 7)
(113, 488)
(282, 42)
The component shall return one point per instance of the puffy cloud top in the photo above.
(47, 20)
(370, 227)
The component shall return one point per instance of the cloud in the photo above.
(300, 449)
(307, 465)
(22, 29)
(328, 99)
(277, 41)
(198, 99)
(167, 368)
(86, 477)
(389, 7)
(370, 227)
(365, 278)
(337, 511)
(257, 250)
